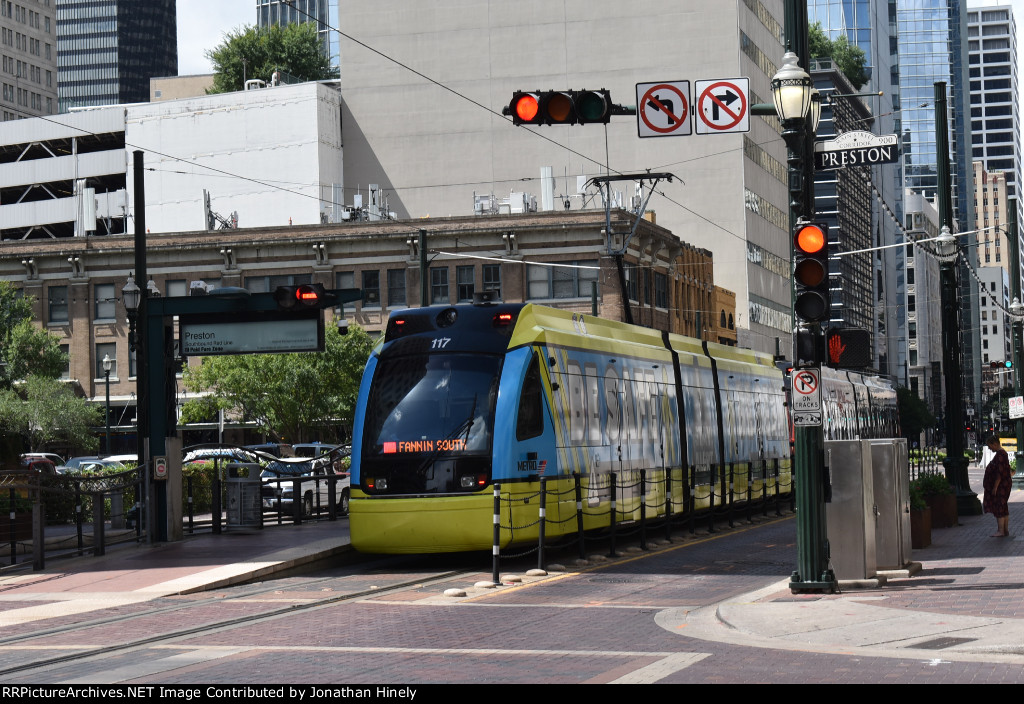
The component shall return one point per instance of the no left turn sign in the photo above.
(663, 109)
(722, 106)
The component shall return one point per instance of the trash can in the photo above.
(244, 503)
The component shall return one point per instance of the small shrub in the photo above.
(917, 502)
(933, 484)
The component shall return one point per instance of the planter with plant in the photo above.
(920, 518)
(941, 499)
(22, 510)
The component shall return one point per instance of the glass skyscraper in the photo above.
(869, 25)
(107, 50)
(323, 12)
(933, 48)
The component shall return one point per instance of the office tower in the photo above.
(323, 12)
(992, 45)
(933, 48)
(28, 45)
(868, 26)
(109, 49)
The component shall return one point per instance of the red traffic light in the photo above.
(301, 296)
(525, 107)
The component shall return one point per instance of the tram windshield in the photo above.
(436, 404)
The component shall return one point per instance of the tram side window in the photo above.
(530, 422)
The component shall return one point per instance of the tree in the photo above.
(915, 417)
(25, 350)
(256, 52)
(291, 396)
(49, 414)
(849, 58)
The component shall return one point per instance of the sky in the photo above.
(202, 25)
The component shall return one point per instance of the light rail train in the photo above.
(457, 398)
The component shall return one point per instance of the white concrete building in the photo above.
(423, 118)
(923, 305)
(272, 156)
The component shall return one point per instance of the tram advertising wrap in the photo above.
(455, 399)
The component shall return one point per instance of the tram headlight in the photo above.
(447, 318)
(377, 483)
(467, 482)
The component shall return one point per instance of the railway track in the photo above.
(390, 575)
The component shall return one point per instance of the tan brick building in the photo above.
(77, 282)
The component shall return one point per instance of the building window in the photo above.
(572, 281)
(371, 289)
(464, 276)
(660, 290)
(439, 285)
(267, 284)
(132, 369)
(66, 372)
(104, 349)
(176, 288)
(58, 304)
(105, 304)
(396, 287)
(492, 279)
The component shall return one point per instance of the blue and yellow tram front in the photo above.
(424, 431)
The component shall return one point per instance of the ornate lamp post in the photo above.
(131, 294)
(947, 252)
(798, 106)
(1017, 314)
(107, 363)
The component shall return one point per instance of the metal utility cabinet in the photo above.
(851, 517)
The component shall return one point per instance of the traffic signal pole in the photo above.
(813, 573)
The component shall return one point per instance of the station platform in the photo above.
(966, 601)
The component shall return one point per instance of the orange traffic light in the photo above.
(810, 271)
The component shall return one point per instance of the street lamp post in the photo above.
(947, 251)
(106, 382)
(1017, 315)
(798, 106)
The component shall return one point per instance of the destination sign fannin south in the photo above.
(856, 148)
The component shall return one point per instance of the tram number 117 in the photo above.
(440, 343)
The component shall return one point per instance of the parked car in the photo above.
(278, 494)
(38, 464)
(312, 449)
(74, 464)
(276, 449)
(123, 459)
(56, 459)
(100, 465)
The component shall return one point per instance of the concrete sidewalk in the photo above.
(966, 604)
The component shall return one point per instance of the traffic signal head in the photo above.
(303, 297)
(560, 107)
(810, 271)
(849, 348)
